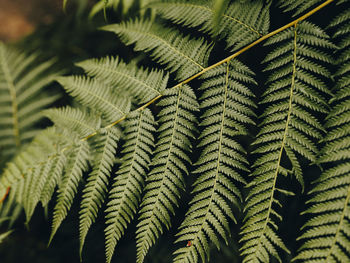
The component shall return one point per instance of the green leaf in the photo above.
(289, 125)
(105, 146)
(127, 188)
(178, 53)
(325, 236)
(127, 78)
(77, 164)
(227, 105)
(165, 182)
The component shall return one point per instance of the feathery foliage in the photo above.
(140, 83)
(132, 156)
(239, 24)
(326, 235)
(21, 81)
(298, 6)
(129, 181)
(227, 106)
(166, 179)
(289, 126)
(169, 47)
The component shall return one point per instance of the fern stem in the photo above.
(291, 24)
(13, 95)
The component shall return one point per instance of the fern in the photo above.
(94, 191)
(96, 95)
(20, 82)
(67, 189)
(240, 24)
(298, 6)
(165, 180)
(144, 85)
(326, 235)
(228, 108)
(159, 143)
(127, 188)
(3, 236)
(289, 126)
(181, 54)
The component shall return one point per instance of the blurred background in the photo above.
(20, 17)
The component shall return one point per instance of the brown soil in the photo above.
(19, 17)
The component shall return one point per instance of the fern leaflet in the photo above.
(289, 126)
(169, 47)
(165, 181)
(20, 82)
(94, 192)
(77, 164)
(240, 24)
(96, 95)
(141, 83)
(326, 235)
(227, 101)
(127, 188)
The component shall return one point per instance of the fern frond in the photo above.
(77, 164)
(127, 188)
(49, 145)
(296, 97)
(58, 163)
(240, 24)
(169, 47)
(140, 83)
(33, 155)
(111, 4)
(105, 146)
(79, 121)
(298, 6)
(21, 83)
(166, 179)
(326, 236)
(96, 95)
(227, 101)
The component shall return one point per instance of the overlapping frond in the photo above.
(42, 172)
(240, 24)
(298, 6)
(79, 121)
(67, 189)
(97, 95)
(140, 83)
(165, 182)
(296, 97)
(105, 146)
(169, 47)
(127, 188)
(84, 139)
(326, 236)
(227, 104)
(22, 81)
(18, 173)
